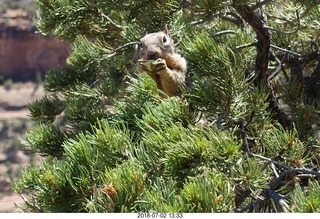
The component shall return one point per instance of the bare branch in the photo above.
(197, 22)
(269, 160)
(224, 32)
(273, 167)
(112, 22)
(279, 113)
(234, 18)
(278, 68)
(246, 45)
(285, 50)
(126, 46)
(280, 18)
(120, 48)
(281, 31)
(262, 58)
(278, 180)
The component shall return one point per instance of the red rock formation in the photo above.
(23, 52)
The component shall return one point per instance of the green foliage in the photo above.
(230, 139)
(251, 175)
(123, 185)
(220, 87)
(286, 145)
(209, 193)
(306, 200)
(46, 139)
(47, 109)
(162, 195)
(96, 152)
(141, 93)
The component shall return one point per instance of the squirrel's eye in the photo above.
(164, 39)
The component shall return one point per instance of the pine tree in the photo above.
(111, 143)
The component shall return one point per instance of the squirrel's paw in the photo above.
(146, 65)
(153, 65)
(159, 65)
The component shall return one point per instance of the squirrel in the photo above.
(159, 59)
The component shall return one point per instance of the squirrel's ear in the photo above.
(166, 31)
(145, 32)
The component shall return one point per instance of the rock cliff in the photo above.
(23, 51)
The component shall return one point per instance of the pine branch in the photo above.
(309, 7)
(147, 154)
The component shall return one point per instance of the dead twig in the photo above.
(269, 160)
(273, 167)
(278, 68)
(233, 18)
(224, 32)
(286, 32)
(123, 47)
(278, 180)
(247, 45)
(112, 22)
(285, 50)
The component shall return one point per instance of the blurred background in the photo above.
(25, 56)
